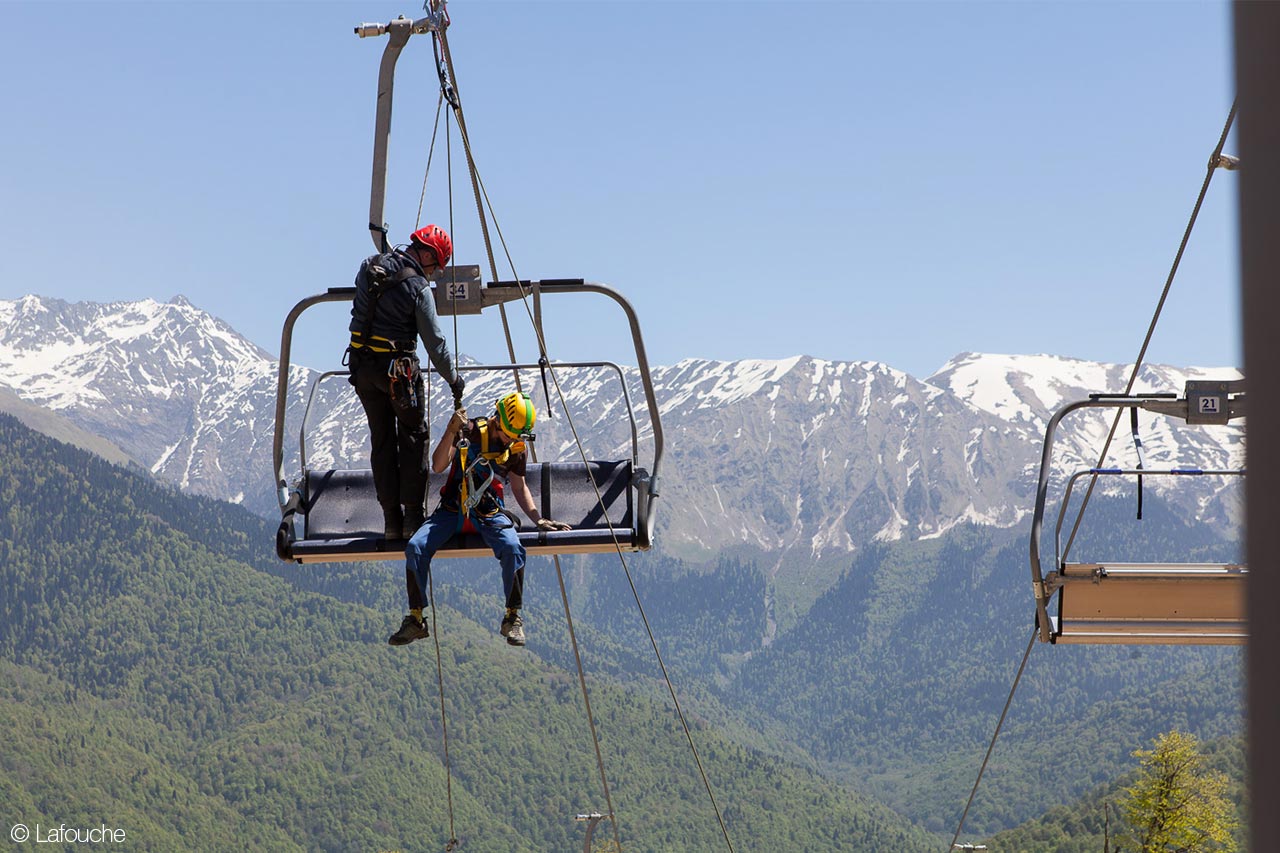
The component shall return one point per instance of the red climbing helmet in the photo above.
(435, 238)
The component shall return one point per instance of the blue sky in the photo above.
(896, 182)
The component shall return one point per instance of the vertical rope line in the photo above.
(435, 620)
(444, 723)
(448, 145)
(1146, 341)
(586, 701)
(992, 745)
(431, 150)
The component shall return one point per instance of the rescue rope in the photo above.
(991, 746)
(444, 723)
(1146, 341)
(453, 842)
(542, 349)
(524, 296)
(477, 190)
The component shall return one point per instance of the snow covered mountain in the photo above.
(1028, 389)
(796, 456)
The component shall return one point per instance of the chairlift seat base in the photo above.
(342, 520)
(1150, 603)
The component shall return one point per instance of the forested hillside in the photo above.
(164, 675)
(892, 683)
(897, 675)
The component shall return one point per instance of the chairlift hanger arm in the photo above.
(399, 32)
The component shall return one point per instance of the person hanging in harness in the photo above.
(479, 454)
(393, 307)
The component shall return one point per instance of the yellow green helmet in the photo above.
(516, 414)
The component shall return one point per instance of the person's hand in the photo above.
(457, 387)
(458, 422)
(549, 524)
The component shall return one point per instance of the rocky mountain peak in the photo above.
(795, 454)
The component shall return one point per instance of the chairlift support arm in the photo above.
(399, 32)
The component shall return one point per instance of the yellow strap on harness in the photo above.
(376, 343)
(462, 486)
(498, 456)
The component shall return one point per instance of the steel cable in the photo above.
(1146, 341)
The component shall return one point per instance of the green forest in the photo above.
(165, 673)
(161, 676)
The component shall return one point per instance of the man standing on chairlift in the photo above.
(478, 454)
(393, 307)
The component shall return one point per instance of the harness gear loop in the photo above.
(403, 375)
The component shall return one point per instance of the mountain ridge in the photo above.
(801, 457)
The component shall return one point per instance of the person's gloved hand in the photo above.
(549, 524)
(457, 387)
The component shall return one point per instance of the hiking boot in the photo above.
(513, 629)
(413, 519)
(410, 629)
(392, 522)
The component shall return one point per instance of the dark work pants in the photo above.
(399, 438)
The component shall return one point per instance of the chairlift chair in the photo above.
(333, 514)
(1139, 603)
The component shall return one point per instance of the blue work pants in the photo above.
(498, 533)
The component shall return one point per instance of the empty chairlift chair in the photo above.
(1139, 603)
